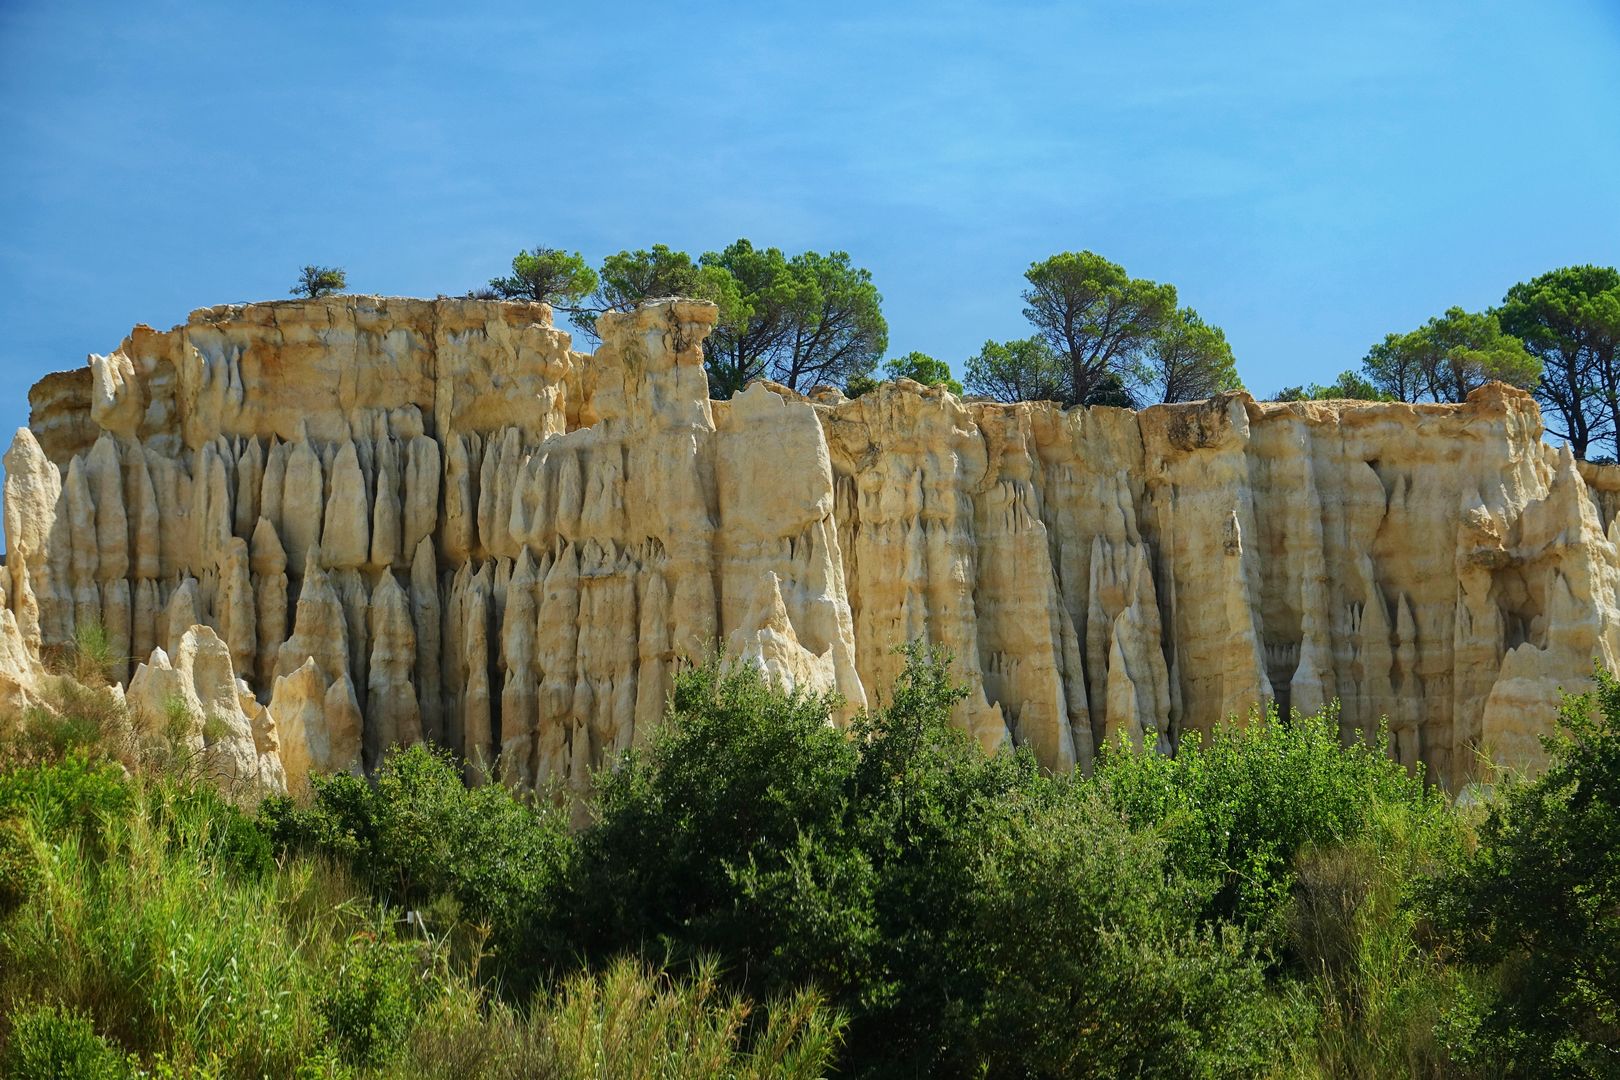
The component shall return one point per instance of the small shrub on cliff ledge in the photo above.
(318, 281)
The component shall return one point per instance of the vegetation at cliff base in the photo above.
(757, 893)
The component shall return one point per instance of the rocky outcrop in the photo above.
(404, 519)
(196, 704)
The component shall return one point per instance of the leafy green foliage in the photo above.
(417, 836)
(316, 281)
(135, 926)
(1267, 902)
(1095, 317)
(910, 876)
(74, 794)
(630, 277)
(922, 368)
(1190, 360)
(547, 276)
(1539, 905)
(860, 384)
(702, 829)
(1347, 387)
(1022, 370)
(47, 735)
(804, 321)
(1110, 390)
(917, 366)
(79, 712)
(1087, 959)
(1569, 319)
(1449, 357)
(167, 948)
(1237, 812)
(1103, 338)
(48, 1042)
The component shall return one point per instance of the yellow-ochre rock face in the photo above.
(373, 520)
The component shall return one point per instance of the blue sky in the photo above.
(1310, 176)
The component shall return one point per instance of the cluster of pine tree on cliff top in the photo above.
(758, 894)
(1100, 336)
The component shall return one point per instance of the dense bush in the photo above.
(729, 835)
(148, 925)
(51, 1043)
(420, 839)
(1312, 849)
(1237, 813)
(1538, 907)
(1266, 903)
(1084, 959)
(74, 795)
(957, 904)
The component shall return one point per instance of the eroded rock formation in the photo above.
(404, 519)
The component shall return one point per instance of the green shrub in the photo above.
(417, 836)
(51, 1043)
(924, 799)
(1538, 908)
(20, 872)
(1246, 908)
(740, 785)
(1237, 812)
(1087, 960)
(752, 829)
(74, 795)
(373, 999)
(964, 909)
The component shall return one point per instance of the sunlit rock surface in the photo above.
(408, 519)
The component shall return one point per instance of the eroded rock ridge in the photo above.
(340, 524)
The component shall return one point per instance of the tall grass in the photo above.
(629, 1020)
(1370, 972)
(144, 912)
(177, 956)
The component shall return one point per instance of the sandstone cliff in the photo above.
(396, 520)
